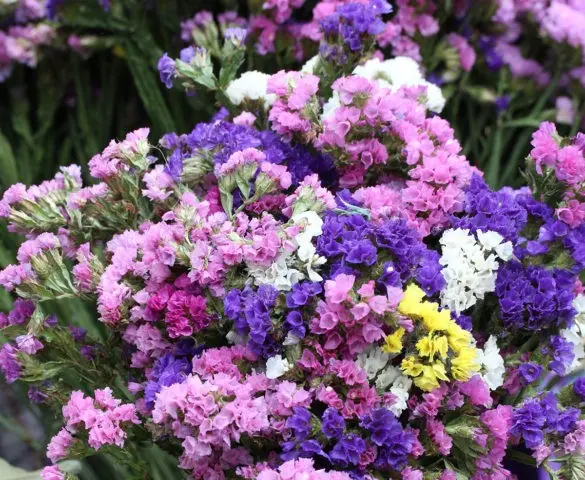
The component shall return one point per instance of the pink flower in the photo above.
(28, 344)
(465, 51)
(58, 446)
(337, 290)
(52, 473)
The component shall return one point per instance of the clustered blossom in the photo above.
(292, 111)
(103, 417)
(316, 283)
(567, 160)
(470, 266)
(437, 173)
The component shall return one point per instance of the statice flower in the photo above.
(353, 22)
(470, 266)
(533, 297)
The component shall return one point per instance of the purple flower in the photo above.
(186, 55)
(21, 312)
(347, 451)
(528, 422)
(295, 323)
(333, 423)
(535, 298)
(9, 363)
(579, 388)
(37, 396)
(561, 351)
(167, 371)
(353, 22)
(387, 433)
(250, 312)
(300, 423)
(166, 70)
(530, 372)
(78, 333)
(502, 103)
(485, 210)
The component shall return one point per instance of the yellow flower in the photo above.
(431, 374)
(429, 346)
(425, 346)
(458, 337)
(410, 303)
(411, 366)
(464, 364)
(393, 343)
(441, 345)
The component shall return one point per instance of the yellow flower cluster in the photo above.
(445, 352)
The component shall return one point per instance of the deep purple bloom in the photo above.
(167, 371)
(295, 323)
(579, 388)
(347, 451)
(78, 333)
(333, 423)
(530, 372)
(502, 103)
(528, 422)
(167, 70)
(534, 298)
(250, 312)
(561, 351)
(187, 54)
(300, 423)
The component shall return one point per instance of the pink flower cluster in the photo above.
(567, 159)
(21, 44)
(296, 101)
(361, 319)
(104, 417)
(396, 122)
(301, 469)
(120, 155)
(214, 407)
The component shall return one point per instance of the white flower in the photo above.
(306, 251)
(399, 72)
(308, 255)
(372, 361)
(312, 222)
(330, 106)
(235, 338)
(400, 389)
(291, 339)
(492, 364)
(309, 67)
(579, 306)
(278, 274)
(470, 266)
(575, 336)
(386, 378)
(277, 366)
(251, 85)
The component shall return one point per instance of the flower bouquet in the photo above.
(316, 284)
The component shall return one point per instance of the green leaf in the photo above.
(148, 88)
(7, 162)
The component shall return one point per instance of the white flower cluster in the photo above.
(401, 72)
(492, 363)
(281, 274)
(470, 265)
(375, 363)
(576, 334)
(252, 86)
(392, 74)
